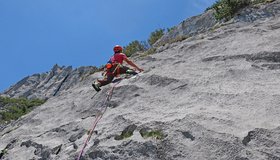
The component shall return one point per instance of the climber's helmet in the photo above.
(118, 49)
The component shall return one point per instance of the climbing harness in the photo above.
(117, 69)
(113, 69)
(98, 117)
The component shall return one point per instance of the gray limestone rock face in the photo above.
(251, 14)
(191, 26)
(214, 96)
(207, 22)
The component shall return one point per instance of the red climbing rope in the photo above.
(98, 117)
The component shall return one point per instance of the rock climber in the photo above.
(114, 67)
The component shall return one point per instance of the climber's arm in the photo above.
(128, 61)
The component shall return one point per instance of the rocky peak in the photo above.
(50, 83)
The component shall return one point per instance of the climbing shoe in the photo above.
(130, 71)
(96, 86)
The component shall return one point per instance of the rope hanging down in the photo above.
(98, 117)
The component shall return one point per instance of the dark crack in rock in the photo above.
(97, 154)
(156, 80)
(265, 56)
(248, 138)
(78, 135)
(188, 135)
(43, 152)
(224, 58)
(56, 150)
(127, 132)
(8, 147)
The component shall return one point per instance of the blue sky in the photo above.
(36, 34)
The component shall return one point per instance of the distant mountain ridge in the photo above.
(49, 84)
